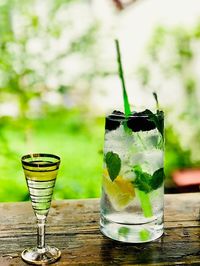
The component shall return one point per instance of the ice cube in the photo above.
(153, 160)
(118, 141)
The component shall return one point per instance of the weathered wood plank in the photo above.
(73, 227)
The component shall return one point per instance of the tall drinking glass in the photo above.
(40, 171)
(132, 185)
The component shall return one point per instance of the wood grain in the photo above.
(73, 227)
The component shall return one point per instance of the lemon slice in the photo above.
(120, 191)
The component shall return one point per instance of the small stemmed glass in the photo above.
(40, 171)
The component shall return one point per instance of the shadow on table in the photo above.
(158, 251)
(116, 252)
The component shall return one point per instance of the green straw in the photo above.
(127, 109)
(145, 204)
(144, 198)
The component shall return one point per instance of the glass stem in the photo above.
(41, 233)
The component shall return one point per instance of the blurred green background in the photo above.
(50, 72)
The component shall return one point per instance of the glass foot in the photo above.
(40, 257)
(132, 233)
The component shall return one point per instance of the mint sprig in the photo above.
(146, 182)
(157, 119)
(142, 180)
(156, 99)
(113, 163)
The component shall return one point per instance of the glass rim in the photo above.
(122, 117)
(37, 155)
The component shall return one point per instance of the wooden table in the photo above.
(73, 227)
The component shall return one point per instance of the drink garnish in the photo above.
(113, 164)
(156, 99)
(120, 192)
(157, 119)
(146, 182)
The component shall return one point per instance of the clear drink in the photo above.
(132, 184)
(41, 178)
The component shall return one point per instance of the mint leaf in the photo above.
(113, 164)
(137, 168)
(157, 178)
(146, 182)
(160, 122)
(142, 180)
(157, 119)
(160, 144)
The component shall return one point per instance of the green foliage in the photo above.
(77, 138)
(25, 72)
(35, 43)
(177, 157)
(172, 53)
